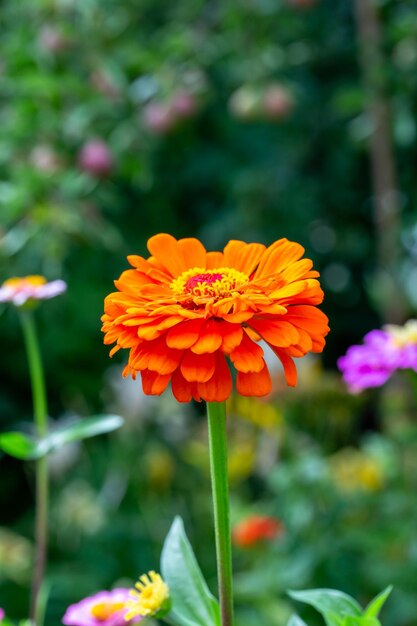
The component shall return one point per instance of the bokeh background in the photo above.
(243, 119)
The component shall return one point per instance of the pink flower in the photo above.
(105, 608)
(382, 353)
(95, 158)
(20, 290)
(1, 614)
(158, 118)
(183, 104)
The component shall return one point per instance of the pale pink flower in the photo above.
(20, 290)
(105, 608)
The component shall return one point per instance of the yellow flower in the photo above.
(353, 470)
(261, 414)
(151, 597)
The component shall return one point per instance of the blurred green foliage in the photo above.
(233, 119)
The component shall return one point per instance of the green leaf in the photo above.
(82, 429)
(334, 605)
(192, 602)
(361, 621)
(19, 445)
(295, 620)
(374, 607)
(28, 448)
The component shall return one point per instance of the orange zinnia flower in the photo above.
(256, 528)
(183, 313)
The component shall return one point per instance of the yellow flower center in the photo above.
(207, 284)
(403, 335)
(152, 597)
(103, 610)
(27, 281)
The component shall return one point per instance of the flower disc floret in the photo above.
(200, 283)
(151, 597)
(188, 316)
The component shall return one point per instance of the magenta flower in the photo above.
(20, 290)
(105, 608)
(95, 158)
(382, 353)
(1, 614)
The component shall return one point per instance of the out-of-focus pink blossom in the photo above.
(383, 352)
(19, 291)
(1, 614)
(45, 159)
(96, 158)
(158, 118)
(105, 608)
(183, 104)
(52, 39)
(278, 102)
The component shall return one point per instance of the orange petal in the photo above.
(193, 252)
(130, 281)
(254, 383)
(290, 370)
(288, 291)
(210, 338)
(231, 252)
(156, 356)
(197, 367)
(219, 387)
(305, 343)
(312, 321)
(155, 328)
(166, 250)
(279, 256)
(149, 332)
(232, 336)
(147, 270)
(296, 271)
(249, 257)
(182, 390)
(214, 260)
(308, 317)
(281, 334)
(184, 334)
(247, 357)
(114, 350)
(153, 384)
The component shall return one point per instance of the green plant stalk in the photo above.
(41, 473)
(216, 412)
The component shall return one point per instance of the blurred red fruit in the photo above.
(158, 118)
(95, 158)
(278, 102)
(255, 529)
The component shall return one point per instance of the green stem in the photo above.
(42, 485)
(216, 412)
